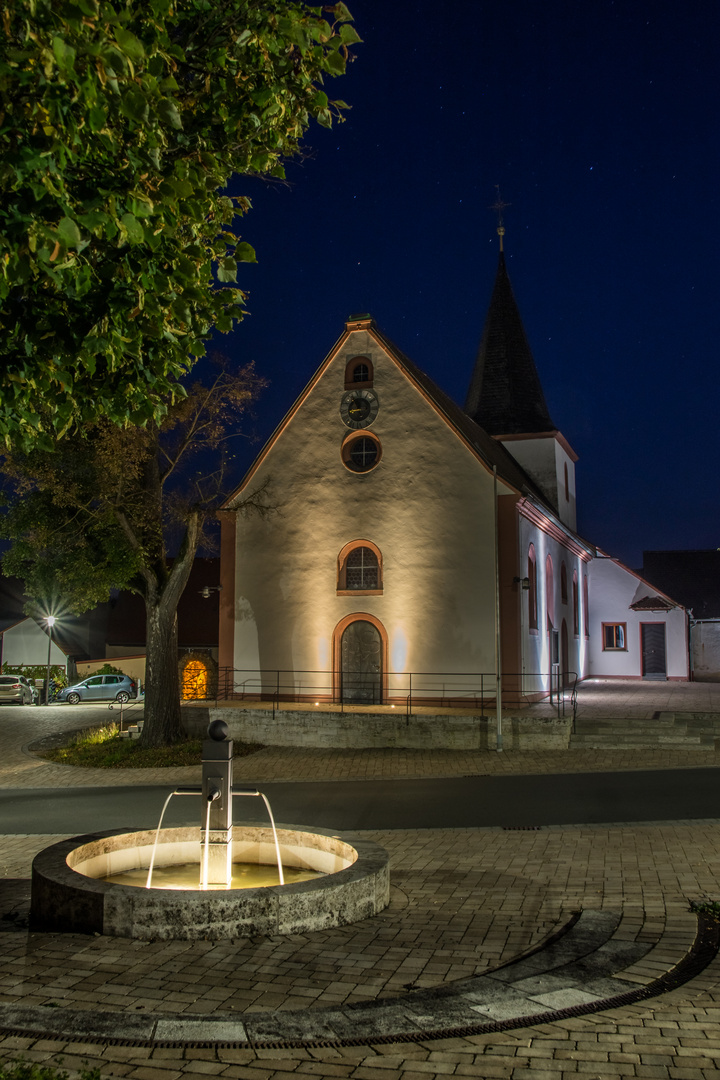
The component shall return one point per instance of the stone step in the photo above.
(134, 731)
(629, 740)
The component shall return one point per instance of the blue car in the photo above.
(100, 688)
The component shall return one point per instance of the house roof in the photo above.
(652, 603)
(692, 575)
(505, 396)
(653, 600)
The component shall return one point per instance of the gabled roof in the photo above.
(655, 596)
(505, 396)
(486, 449)
(652, 603)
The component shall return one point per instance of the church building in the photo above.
(411, 543)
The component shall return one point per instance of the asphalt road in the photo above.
(466, 802)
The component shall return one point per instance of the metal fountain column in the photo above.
(217, 774)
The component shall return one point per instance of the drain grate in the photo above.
(703, 950)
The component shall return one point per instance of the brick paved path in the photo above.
(462, 900)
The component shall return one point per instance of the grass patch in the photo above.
(102, 748)
(32, 1070)
(708, 907)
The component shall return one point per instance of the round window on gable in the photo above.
(359, 373)
(361, 453)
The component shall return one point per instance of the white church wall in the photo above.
(536, 643)
(613, 588)
(428, 506)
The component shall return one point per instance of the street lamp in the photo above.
(50, 620)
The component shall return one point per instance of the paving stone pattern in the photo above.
(463, 902)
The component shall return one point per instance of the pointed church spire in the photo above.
(505, 395)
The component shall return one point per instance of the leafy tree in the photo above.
(95, 515)
(121, 121)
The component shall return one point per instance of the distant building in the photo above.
(694, 578)
(402, 521)
(113, 632)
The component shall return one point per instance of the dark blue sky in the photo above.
(598, 119)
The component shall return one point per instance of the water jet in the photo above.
(221, 880)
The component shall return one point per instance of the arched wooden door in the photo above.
(361, 664)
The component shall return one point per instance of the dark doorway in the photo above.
(653, 650)
(361, 664)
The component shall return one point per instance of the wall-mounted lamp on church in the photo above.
(524, 581)
(207, 589)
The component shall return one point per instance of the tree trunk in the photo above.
(162, 682)
(162, 679)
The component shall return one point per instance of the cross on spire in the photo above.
(498, 206)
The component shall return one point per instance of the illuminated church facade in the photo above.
(412, 542)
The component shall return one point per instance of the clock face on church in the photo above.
(358, 408)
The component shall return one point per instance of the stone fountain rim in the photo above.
(51, 862)
(65, 900)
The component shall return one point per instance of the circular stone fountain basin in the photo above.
(68, 892)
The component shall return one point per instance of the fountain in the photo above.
(219, 881)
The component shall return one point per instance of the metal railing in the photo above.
(474, 691)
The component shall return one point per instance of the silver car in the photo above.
(100, 688)
(16, 689)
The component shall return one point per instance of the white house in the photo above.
(26, 642)
(639, 630)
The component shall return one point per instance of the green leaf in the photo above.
(129, 44)
(245, 253)
(97, 118)
(134, 105)
(135, 231)
(335, 63)
(227, 270)
(93, 220)
(168, 113)
(348, 35)
(64, 54)
(69, 232)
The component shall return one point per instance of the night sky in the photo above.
(599, 121)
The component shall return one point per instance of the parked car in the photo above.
(16, 689)
(100, 688)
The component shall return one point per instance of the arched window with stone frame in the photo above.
(359, 569)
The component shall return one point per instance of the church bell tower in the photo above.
(506, 398)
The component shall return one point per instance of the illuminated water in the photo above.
(187, 876)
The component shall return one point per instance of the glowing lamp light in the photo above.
(50, 620)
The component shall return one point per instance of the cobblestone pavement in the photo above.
(462, 901)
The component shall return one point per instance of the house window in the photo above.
(532, 589)
(614, 636)
(563, 583)
(359, 372)
(360, 568)
(576, 606)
